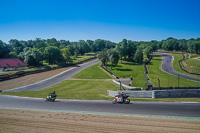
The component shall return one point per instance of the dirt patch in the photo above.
(29, 79)
(60, 122)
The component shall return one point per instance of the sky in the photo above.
(114, 20)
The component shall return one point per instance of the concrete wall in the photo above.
(159, 94)
(133, 94)
(186, 93)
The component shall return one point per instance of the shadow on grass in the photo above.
(150, 63)
(157, 55)
(123, 69)
(132, 63)
(156, 59)
(89, 55)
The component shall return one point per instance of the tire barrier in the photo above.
(109, 72)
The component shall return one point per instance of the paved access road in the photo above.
(167, 66)
(139, 108)
(55, 79)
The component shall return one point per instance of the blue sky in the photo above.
(138, 20)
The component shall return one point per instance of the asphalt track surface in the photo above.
(167, 66)
(186, 110)
(139, 108)
(55, 79)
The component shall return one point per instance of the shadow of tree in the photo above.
(123, 69)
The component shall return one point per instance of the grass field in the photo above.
(97, 90)
(93, 72)
(88, 90)
(74, 89)
(156, 73)
(176, 67)
(128, 69)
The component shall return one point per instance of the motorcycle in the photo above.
(121, 99)
(51, 97)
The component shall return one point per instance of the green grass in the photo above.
(156, 73)
(128, 69)
(194, 55)
(93, 72)
(88, 90)
(193, 64)
(83, 57)
(74, 89)
(176, 67)
(8, 73)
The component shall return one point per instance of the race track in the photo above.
(139, 108)
(190, 110)
(55, 79)
(167, 66)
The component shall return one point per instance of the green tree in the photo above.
(16, 45)
(13, 55)
(33, 57)
(104, 57)
(148, 51)
(120, 51)
(66, 55)
(138, 56)
(113, 57)
(4, 50)
(52, 54)
(131, 49)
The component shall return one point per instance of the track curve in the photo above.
(167, 66)
(55, 79)
(138, 108)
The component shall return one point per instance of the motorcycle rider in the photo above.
(122, 95)
(52, 94)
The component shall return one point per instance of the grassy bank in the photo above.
(177, 68)
(166, 79)
(74, 89)
(128, 69)
(93, 72)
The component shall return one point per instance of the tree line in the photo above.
(33, 52)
